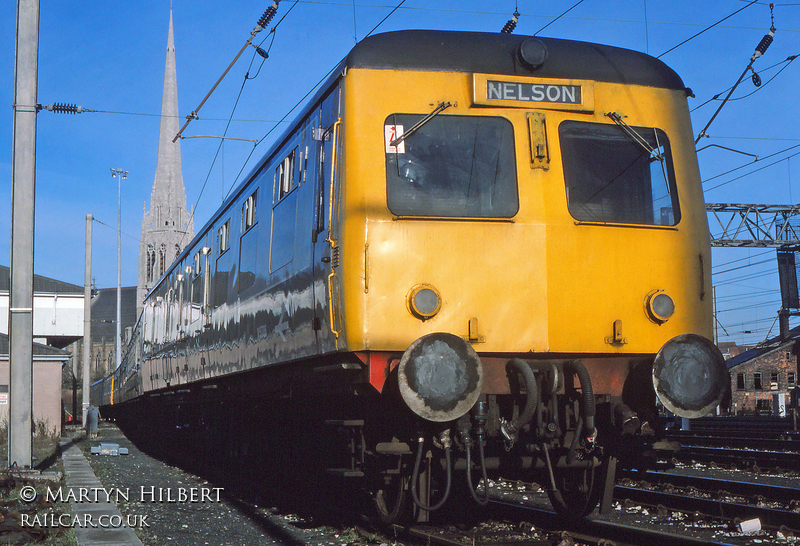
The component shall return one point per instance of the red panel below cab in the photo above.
(608, 373)
(378, 366)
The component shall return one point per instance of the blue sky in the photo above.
(109, 56)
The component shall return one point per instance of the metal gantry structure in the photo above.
(754, 226)
(763, 226)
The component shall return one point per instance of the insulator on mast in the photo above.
(268, 15)
(59, 108)
(509, 27)
(764, 44)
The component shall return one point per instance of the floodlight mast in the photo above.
(120, 175)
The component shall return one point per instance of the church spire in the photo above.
(168, 192)
(167, 227)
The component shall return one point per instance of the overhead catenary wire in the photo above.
(772, 304)
(115, 229)
(758, 275)
(559, 17)
(761, 48)
(707, 28)
(744, 296)
(302, 99)
(261, 25)
(264, 55)
(751, 172)
(737, 268)
(749, 257)
(787, 61)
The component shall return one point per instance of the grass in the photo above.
(44, 454)
(13, 506)
(44, 444)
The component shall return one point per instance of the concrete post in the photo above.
(20, 312)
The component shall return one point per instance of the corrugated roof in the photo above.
(38, 349)
(40, 284)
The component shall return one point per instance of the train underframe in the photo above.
(317, 425)
(546, 426)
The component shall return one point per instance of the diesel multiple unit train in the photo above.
(472, 255)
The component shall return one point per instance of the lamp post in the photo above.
(120, 175)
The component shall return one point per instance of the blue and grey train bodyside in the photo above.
(250, 290)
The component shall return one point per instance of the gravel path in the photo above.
(176, 507)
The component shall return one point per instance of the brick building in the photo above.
(730, 349)
(763, 371)
(46, 393)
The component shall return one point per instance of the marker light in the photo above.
(424, 301)
(660, 307)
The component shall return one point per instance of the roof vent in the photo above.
(532, 53)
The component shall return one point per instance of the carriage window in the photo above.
(614, 175)
(451, 166)
(284, 176)
(249, 212)
(222, 238)
(197, 266)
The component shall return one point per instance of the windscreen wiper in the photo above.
(653, 153)
(442, 106)
(636, 138)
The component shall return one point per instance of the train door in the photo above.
(327, 295)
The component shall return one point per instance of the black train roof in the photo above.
(498, 54)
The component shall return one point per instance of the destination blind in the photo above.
(533, 92)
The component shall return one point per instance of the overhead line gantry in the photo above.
(755, 226)
(764, 226)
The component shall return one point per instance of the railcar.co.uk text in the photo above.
(78, 495)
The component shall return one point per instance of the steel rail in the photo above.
(769, 517)
(594, 529)
(762, 459)
(776, 493)
(736, 441)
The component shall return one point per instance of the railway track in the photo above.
(717, 508)
(748, 458)
(756, 492)
(784, 442)
(753, 425)
(542, 527)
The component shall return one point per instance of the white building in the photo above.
(57, 309)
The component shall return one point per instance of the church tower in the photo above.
(167, 227)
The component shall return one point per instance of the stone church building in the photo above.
(167, 227)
